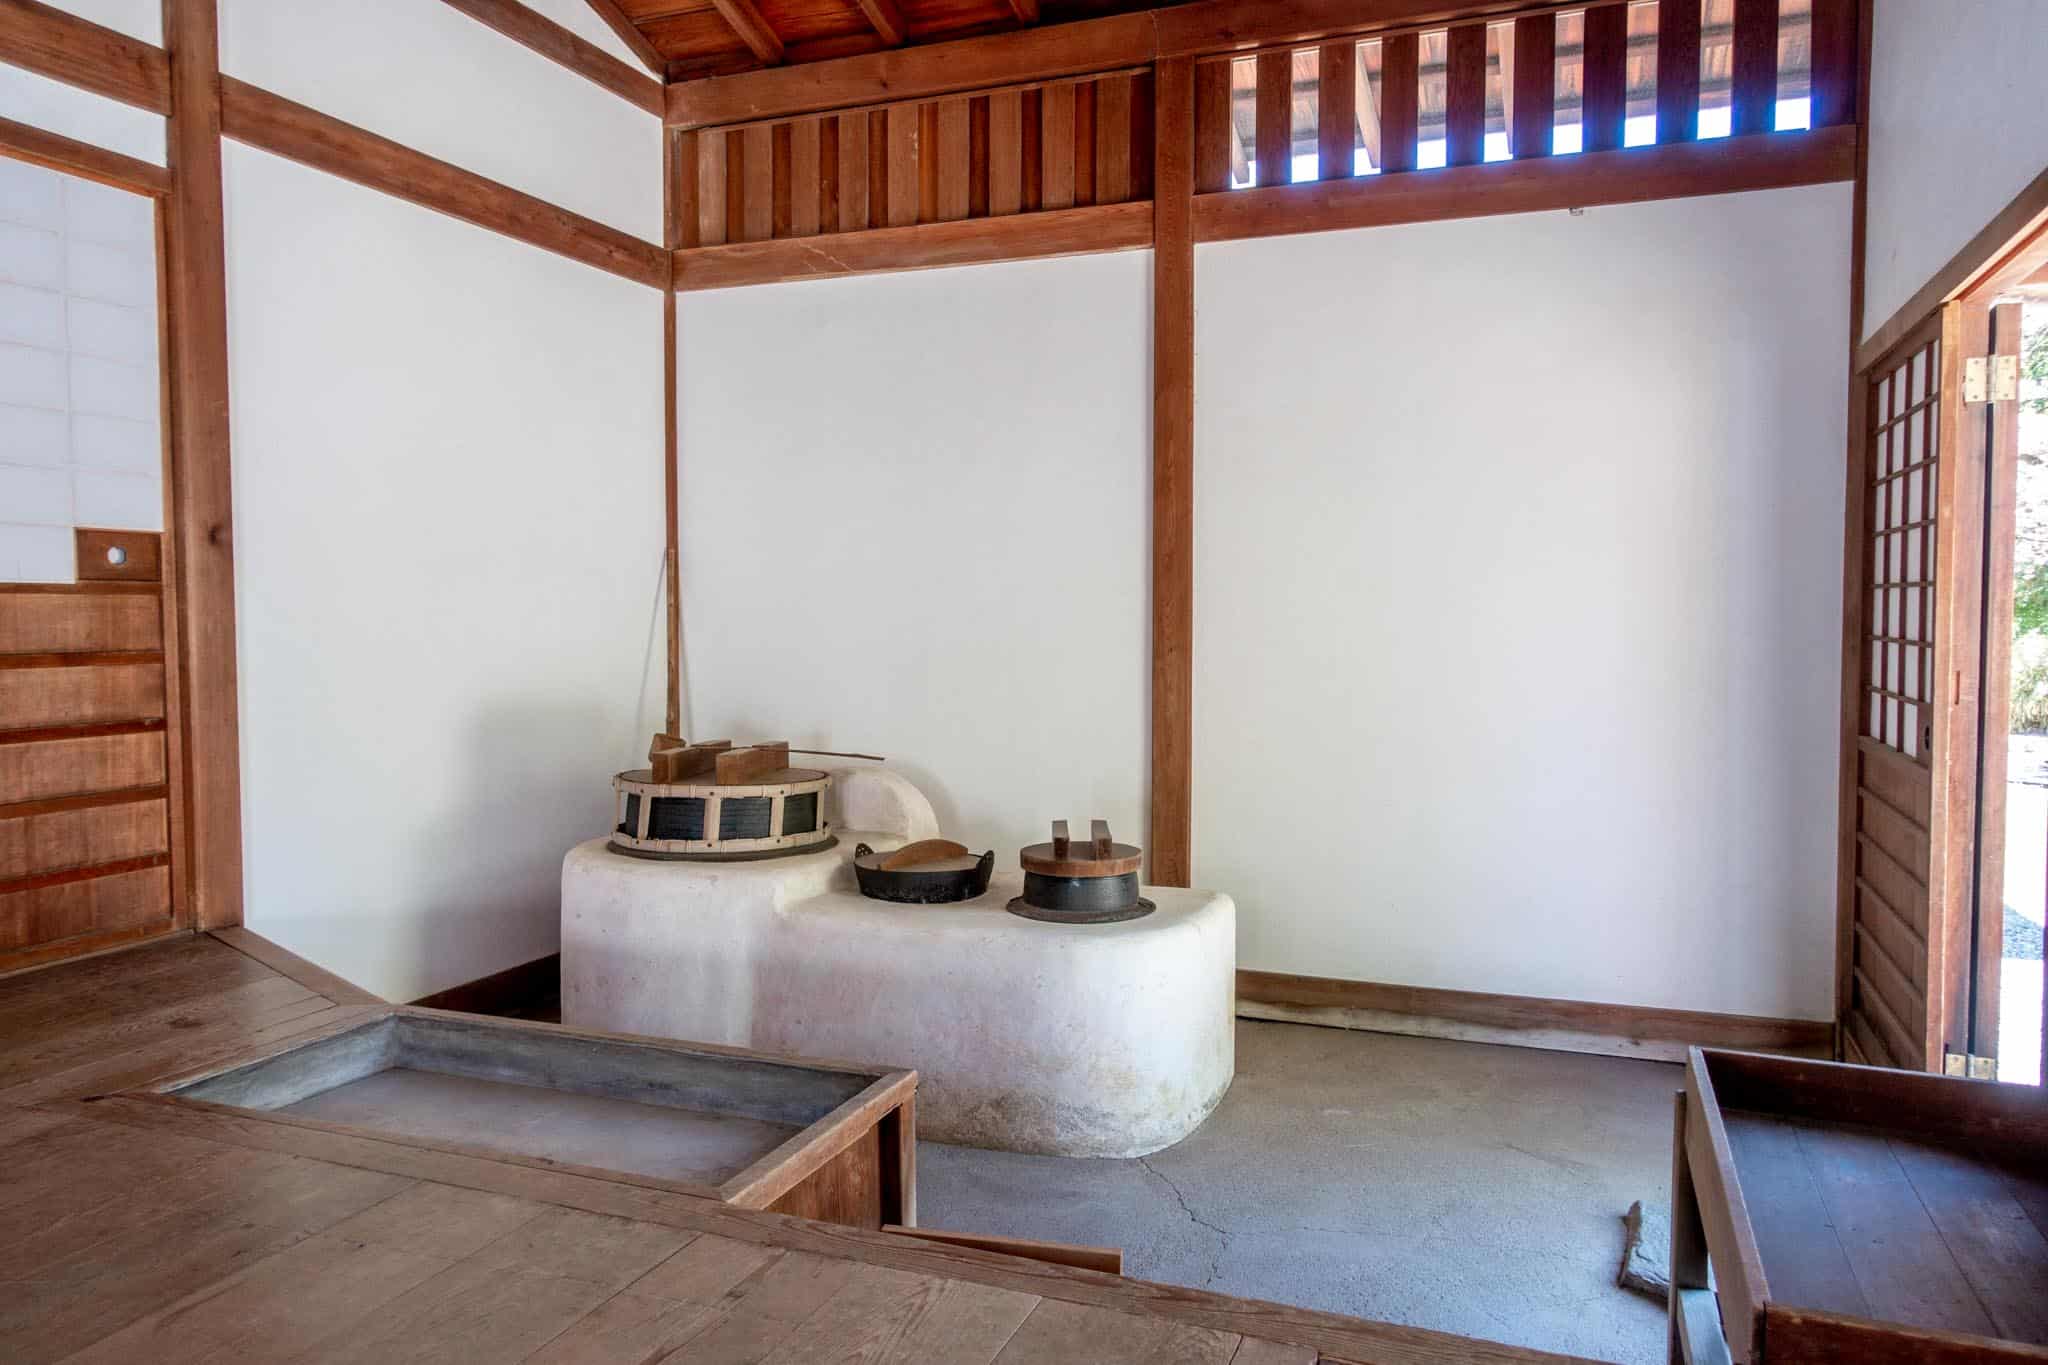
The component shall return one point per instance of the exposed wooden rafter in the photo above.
(543, 35)
(1368, 113)
(629, 33)
(886, 20)
(745, 19)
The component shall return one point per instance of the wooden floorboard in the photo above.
(135, 1228)
(1804, 1262)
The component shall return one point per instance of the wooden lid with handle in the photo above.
(1099, 857)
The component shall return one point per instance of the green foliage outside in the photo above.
(2030, 550)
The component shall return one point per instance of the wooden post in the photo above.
(1173, 448)
(201, 498)
(674, 177)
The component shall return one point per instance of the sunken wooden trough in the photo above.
(755, 1130)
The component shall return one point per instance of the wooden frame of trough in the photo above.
(855, 1165)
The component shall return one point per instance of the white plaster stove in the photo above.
(1072, 1040)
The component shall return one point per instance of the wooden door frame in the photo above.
(1959, 298)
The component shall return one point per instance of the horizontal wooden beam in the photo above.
(1210, 27)
(82, 159)
(1023, 236)
(1633, 175)
(1533, 1021)
(629, 33)
(1206, 28)
(307, 136)
(66, 48)
(535, 31)
(913, 72)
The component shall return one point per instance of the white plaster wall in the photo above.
(424, 74)
(448, 542)
(914, 523)
(1958, 127)
(1518, 564)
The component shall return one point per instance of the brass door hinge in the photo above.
(1991, 379)
(1963, 1064)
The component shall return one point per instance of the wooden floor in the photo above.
(135, 1230)
(1894, 1228)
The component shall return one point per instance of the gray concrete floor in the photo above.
(1457, 1186)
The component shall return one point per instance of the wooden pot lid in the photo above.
(1099, 857)
(926, 855)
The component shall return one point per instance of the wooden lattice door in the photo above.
(1911, 808)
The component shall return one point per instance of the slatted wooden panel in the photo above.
(1021, 149)
(1522, 75)
(1887, 1016)
(84, 801)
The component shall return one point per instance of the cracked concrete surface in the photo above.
(1467, 1188)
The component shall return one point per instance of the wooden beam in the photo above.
(201, 494)
(1336, 117)
(913, 73)
(64, 47)
(2024, 215)
(1678, 72)
(82, 159)
(1753, 98)
(1024, 236)
(1603, 79)
(1400, 97)
(1173, 493)
(886, 20)
(1635, 175)
(314, 139)
(1465, 95)
(543, 35)
(629, 33)
(1025, 10)
(678, 206)
(1534, 85)
(745, 20)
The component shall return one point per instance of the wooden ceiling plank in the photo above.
(744, 18)
(629, 33)
(538, 33)
(886, 20)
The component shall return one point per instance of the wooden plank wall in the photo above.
(85, 847)
(1019, 149)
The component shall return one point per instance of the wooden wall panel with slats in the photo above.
(1021, 149)
(85, 818)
